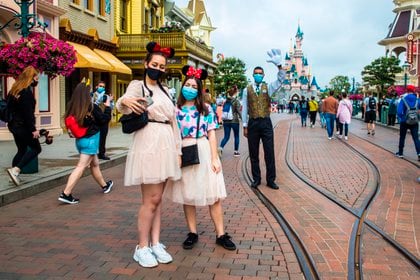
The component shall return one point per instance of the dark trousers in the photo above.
(103, 132)
(227, 126)
(391, 119)
(24, 139)
(346, 128)
(414, 129)
(312, 116)
(261, 129)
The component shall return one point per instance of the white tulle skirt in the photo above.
(199, 185)
(152, 157)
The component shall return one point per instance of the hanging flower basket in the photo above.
(356, 96)
(45, 53)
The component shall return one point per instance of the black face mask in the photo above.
(34, 83)
(154, 74)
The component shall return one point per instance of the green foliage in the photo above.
(381, 72)
(340, 83)
(230, 71)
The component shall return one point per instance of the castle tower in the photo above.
(298, 51)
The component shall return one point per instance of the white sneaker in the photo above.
(340, 136)
(346, 138)
(144, 257)
(220, 151)
(14, 176)
(160, 253)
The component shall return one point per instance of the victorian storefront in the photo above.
(47, 92)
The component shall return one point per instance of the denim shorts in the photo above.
(88, 145)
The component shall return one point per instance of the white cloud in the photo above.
(340, 37)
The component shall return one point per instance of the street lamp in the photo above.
(26, 20)
(405, 67)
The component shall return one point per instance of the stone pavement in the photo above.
(42, 239)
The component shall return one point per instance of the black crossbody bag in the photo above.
(190, 153)
(133, 122)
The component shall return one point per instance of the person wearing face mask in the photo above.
(201, 184)
(256, 109)
(154, 157)
(22, 125)
(100, 97)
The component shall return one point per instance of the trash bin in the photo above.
(384, 115)
(31, 167)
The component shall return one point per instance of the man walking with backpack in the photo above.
(231, 116)
(370, 104)
(408, 115)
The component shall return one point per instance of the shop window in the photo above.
(44, 93)
(77, 2)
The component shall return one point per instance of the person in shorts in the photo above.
(370, 104)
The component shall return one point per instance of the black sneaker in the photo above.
(69, 199)
(190, 241)
(107, 188)
(226, 242)
(397, 154)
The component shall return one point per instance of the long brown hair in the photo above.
(80, 104)
(23, 81)
(199, 101)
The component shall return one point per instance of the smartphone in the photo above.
(148, 102)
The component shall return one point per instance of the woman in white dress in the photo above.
(201, 184)
(153, 159)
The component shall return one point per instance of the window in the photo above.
(77, 2)
(101, 7)
(44, 93)
(123, 14)
(89, 5)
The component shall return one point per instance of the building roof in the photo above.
(314, 83)
(287, 57)
(299, 33)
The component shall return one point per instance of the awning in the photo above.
(86, 58)
(116, 64)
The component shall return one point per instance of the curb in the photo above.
(50, 182)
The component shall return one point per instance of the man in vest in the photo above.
(256, 109)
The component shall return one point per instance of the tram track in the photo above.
(354, 265)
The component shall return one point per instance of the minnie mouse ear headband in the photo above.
(153, 47)
(190, 71)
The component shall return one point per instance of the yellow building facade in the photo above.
(138, 22)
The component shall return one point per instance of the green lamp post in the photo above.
(405, 67)
(26, 20)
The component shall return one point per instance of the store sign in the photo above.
(410, 48)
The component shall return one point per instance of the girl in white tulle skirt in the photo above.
(201, 184)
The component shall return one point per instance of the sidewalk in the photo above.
(56, 162)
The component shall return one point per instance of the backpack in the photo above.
(5, 111)
(411, 115)
(304, 106)
(73, 128)
(372, 103)
(227, 113)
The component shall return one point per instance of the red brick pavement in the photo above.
(323, 227)
(43, 239)
(397, 206)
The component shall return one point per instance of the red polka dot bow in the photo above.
(194, 72)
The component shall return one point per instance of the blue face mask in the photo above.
(189, 93)
(100, 89)
(258, 78)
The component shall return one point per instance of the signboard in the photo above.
(410, 48)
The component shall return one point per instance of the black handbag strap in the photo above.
(198, 125)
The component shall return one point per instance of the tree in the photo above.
(230, 71)
(381, 73)
(340, 83)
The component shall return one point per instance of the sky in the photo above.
(340, 36)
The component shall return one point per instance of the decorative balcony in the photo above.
(135, 44)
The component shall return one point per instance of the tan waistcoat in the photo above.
(259, 106)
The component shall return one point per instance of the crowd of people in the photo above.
(176, 156)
